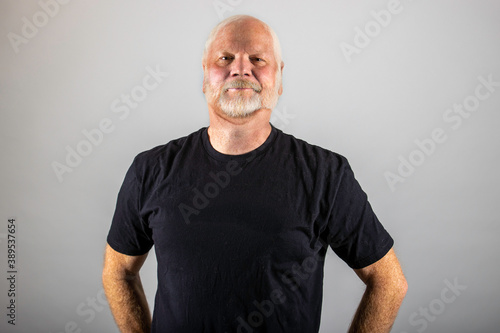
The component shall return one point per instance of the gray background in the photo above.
(64, 78)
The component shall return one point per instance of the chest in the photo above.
(232, 213)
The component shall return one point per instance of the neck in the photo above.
(236, 136)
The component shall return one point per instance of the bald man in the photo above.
(241, 214)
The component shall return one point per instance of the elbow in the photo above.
(112, 275)
(401, 287)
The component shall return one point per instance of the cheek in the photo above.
(268, 79)
(216, 76)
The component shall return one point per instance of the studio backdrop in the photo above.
(408, 91)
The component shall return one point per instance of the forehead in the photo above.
(250, 36)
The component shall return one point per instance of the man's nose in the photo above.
(241, 66)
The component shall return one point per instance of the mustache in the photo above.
(242, 84)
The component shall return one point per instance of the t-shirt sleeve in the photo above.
(355, 233)
(129, 233)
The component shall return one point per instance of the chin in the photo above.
(240, 107)
(239, 113)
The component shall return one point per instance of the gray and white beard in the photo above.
(242, 106)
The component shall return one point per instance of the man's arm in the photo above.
(386, 287)
(124, 291)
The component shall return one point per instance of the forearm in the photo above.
(378, 309)
(128, 303)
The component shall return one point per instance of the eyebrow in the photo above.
(255, 53)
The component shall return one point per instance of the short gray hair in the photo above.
(231, 19)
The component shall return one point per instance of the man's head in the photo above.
(242, 67)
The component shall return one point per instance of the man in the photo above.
(241, 214)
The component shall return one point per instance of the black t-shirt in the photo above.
(240, 239)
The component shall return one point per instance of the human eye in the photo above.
(258, 60)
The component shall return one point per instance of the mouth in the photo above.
(240, 91)
(238, 86)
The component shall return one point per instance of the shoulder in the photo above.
(162, 157)
(163, 151)
(311, 154)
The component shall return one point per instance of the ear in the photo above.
(280, 90)
(203, 84)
